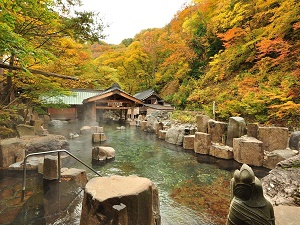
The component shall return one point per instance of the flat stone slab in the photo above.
(31, 163)
(103, 188)
(78, 175)
(221, 151)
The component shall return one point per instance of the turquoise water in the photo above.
(193, 189)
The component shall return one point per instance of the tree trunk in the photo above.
(9, 94)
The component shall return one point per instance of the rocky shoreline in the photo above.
(282, 184)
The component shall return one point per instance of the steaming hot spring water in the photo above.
(193, 189)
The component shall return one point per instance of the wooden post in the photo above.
(132, 112)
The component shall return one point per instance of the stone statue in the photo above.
(248, 204)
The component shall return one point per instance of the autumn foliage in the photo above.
(244, 55)
(241, 54)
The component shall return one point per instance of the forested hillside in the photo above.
(242, 54)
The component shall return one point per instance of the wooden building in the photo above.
(89, 105)
(152, 102)
(111, 99)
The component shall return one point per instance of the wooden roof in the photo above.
(114, 90)
(146, 94)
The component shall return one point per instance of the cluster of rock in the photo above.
(99, 153)
(13, 150)
(49, 167)
(246, 143)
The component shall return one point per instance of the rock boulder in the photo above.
(248, 150)
(294, 140)
(12, 150)
(236, 129)
(45, 143)
(282, 184)
(175, 135)
(273, 138)
(217, 131)
(122, 200)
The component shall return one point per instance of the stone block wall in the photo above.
(252, 145)
(273, 138)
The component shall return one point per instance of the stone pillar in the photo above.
(188, 141)
(217, 130)
(78, 175)
(132, 113)
(202, 143)
(50, 168)
(97, 129)
(98, 137)
(248, 150)
(38, 127)
(236, 129)
(46, 119)
(120, 200)
(202, 123)
(273, 138)
(252, 130)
